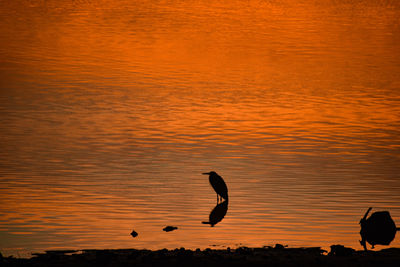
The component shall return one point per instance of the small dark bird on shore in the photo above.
(134, 234)
(219, 185)
(169, 228)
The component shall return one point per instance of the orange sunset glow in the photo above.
(110, 111)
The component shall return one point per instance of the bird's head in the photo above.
(210, 173)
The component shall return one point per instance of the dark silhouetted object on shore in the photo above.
(378, 229)
(280, 246)
(169, 228)
(134, 234)
(218, 213)
(219, 185)
(341, 251)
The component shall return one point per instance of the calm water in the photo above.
(111, 110)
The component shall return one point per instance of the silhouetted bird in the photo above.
(134, 234)
(378, 229)
(217, 214)
(218, 184)
(169, 228)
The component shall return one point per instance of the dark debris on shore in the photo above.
(242, 256)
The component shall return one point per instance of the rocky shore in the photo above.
(242, 256)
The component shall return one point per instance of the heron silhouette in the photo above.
(219, 185)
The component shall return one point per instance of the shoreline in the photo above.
(242, 256)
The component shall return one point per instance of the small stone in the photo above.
(169, 228)
(134, 234)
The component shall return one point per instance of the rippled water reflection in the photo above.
(111, 110)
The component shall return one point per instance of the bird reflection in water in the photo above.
(218, 213)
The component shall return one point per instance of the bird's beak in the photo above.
(206, 173)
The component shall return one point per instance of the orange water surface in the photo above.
(111, 110)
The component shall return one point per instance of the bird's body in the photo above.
(219, 185)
